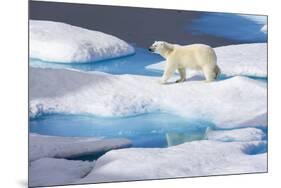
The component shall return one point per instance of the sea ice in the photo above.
(50, 171)
(244, 134)
(41, 146)
(234, 102)
(197, 158)
(64, 43)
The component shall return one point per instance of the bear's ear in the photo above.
(155, 42)
(162, 43)
(168, 46)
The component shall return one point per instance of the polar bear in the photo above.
(194, 56)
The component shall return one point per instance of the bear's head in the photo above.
(160, 47)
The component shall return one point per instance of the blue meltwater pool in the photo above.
(144, 130)
(132, 64)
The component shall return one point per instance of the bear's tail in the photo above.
(217, 71)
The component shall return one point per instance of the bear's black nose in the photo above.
(149, 49)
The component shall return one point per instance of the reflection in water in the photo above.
(175, 138)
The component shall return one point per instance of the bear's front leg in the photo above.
(182, 75)
(169, 70)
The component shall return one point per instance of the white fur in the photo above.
(195, 56)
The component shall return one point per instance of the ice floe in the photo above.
(197, 158)
(64, 43)
(50, 171)
(259, 19)
(244, 134)
(264, 28)
(66, 147)
(242, 59)
(234, 102)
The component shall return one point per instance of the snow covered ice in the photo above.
(46, 157)
(244, 134)
(234, 102)
(50, 171)
(64, 43)
(197, 158)
(41, 146)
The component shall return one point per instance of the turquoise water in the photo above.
(144, 130)
(132, 64)
(229, 26)
(263, 79)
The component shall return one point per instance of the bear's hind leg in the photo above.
(209, 73)
(182, 75)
